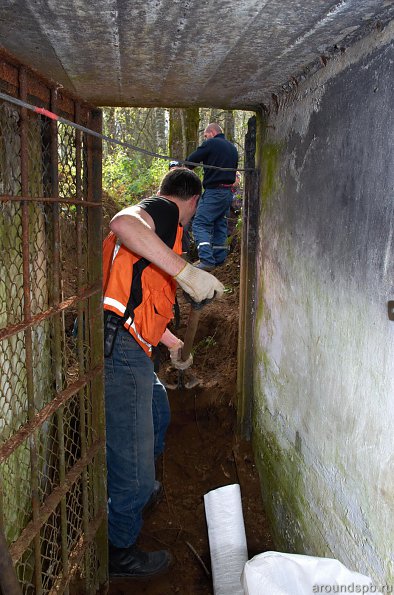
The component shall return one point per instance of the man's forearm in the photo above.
(169, 339)
(137, 236)
(196, 157)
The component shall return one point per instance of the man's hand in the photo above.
(199, 284)
(176, 357)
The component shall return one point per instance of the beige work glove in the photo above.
(176, 357)
(199, 284)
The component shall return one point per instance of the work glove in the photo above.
(199, 284)
(176, 357)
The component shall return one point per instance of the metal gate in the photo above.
(52, 464)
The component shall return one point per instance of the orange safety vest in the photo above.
(151, 291)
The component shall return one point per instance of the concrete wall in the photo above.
(324, 346)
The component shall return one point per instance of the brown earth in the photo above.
(202, 453)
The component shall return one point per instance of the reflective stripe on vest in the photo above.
(152, 314)
(130, 324)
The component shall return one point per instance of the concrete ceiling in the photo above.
(215, 53)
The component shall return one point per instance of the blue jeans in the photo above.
(137, 417)
(210, 225)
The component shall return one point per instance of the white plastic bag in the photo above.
(276, 573)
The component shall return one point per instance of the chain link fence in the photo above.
(52, 465)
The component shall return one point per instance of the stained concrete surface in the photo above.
(324, 371)
(227, 53)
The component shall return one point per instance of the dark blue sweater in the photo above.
(220, 152)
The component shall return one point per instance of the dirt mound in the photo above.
(216, 341)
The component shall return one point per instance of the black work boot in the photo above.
(133, 563)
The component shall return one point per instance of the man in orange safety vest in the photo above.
(142, 267)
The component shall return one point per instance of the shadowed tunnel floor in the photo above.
(202, 453)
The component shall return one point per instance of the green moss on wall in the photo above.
(282, 489)
(262, 315)
(267, 159)
(270, 172)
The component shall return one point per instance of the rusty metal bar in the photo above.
(96, 329)
(61, 398)
(48, 199)
(79, 550)
(247, 307)
(13, 329)
(1, 507)
(58, 342)
(28, 332)
(248, 286)
(80, 337)
(32, 530)
(9, 584)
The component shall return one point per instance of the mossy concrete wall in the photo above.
(323, 410)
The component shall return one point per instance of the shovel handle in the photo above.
(194, 317)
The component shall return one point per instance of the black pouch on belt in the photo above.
(112, 323)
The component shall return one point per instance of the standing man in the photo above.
(142, 265)
(209, 224)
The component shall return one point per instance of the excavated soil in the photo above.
(202, 453)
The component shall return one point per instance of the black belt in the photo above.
(221, 186)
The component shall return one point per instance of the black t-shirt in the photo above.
(165, 215)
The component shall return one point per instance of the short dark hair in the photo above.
(181, 183)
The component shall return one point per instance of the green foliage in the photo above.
(129, 175)
(206, 343)
(129, 179)
(239, 223)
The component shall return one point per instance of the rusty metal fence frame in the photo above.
(52, 459)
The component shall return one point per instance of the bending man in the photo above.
(142, 264)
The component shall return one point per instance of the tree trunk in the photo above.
(183, 131)
(215, 115)
(192, 122)
(229, 125)
(177, 148)
(161, 130)
(109, 130)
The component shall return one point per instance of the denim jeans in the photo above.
(137, 417)
(210, 225)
